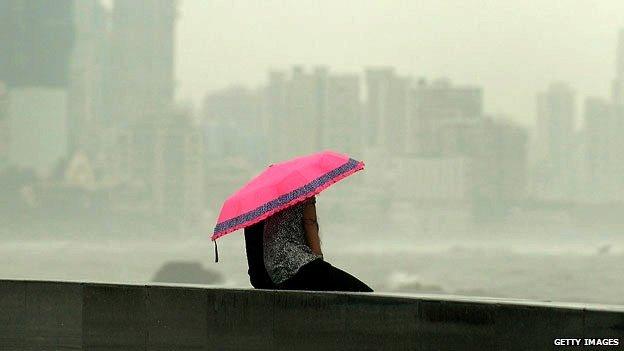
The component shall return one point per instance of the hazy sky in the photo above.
(512, 48)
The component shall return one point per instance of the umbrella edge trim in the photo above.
(298, 195)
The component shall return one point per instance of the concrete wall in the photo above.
(36, 315)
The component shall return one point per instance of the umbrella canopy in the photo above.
(282, 185)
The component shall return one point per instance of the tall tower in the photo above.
(86, 74)
(618, 82)
(617, 142)
(386, 103)
(555, 138)
(36, 40)
(141, 62)
(4, 127)
(441, 114)
(601, 157)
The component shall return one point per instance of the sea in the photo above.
(558, 263)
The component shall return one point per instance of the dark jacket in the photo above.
(258, 276)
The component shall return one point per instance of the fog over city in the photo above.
(511, 48)
(491, 134)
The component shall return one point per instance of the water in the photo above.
(533, 255)
(557, 273)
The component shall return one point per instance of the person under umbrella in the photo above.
(277, 209)
(292, 255)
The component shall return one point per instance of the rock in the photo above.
(186, 272)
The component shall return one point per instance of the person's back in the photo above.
(293, 256)
(285, 247)
(258, 276)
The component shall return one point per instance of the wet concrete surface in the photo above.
(48, 315)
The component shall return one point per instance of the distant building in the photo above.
(233, 125)
(304, 97)
(275, 119)
(343, 124)
(556, 113)
(5, 132)
(306, 112)
(600, 152)
(37, 123)
(481, 163)
(439, 105)
(87, 73)
(141, 81)
(599, 156)
(618, 83)
(432, 179)
(36, 38)
(321, 77)
(214, 145)
(617, 147)
(295, 112)
(385, 109)
(499, 169)
(453, 138)
(161, 160)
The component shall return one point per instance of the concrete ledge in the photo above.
(39, 315)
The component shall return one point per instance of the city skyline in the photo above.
(101, 161)
(511, 50)
(120, 75)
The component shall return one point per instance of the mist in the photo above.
(490, 131)
(512, 49)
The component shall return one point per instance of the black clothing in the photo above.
(316, 275)
(319, 275)
(258, 275)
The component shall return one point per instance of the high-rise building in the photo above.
(86, 108)
(602, 146)
(452, 138)
(441, 107)
(556, 113)
(618, 82)
(304, 97)
(37, 122)
(444, 180)
(275, 119)
(36, 39)
(140, 80)
(617, 142)
(600, 158)
(305, 112)
(232, 121)
(343, 124)
(385, 109)
(499, 169)
(555, 123)
(161, 159)
(4, 126)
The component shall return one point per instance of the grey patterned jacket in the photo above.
(285, 245)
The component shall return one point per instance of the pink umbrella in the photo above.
(282, 185)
